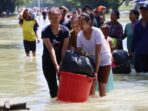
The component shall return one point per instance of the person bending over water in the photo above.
(55, 40)
(93, 42)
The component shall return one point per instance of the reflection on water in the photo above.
(21, 79)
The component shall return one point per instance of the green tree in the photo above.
(22, 2)
(9, 5)
(115, 4)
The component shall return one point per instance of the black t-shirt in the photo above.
(66, 22)
(56, 41)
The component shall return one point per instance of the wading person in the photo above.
(105, 30)
(74, 32)
(128, 32)
(140, 41)
(93, 42)
(55, 39)
(29, 27)
(116, 30)
(129, 28)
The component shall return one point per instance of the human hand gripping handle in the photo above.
(57, 68)
(93, 87)
(95, 75)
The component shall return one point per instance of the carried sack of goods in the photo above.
(76, 77)
(77, 63)
(121, 63)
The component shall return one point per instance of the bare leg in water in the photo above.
(103, 75)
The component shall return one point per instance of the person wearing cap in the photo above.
(101, 10)
(140, 41)
(99, 16)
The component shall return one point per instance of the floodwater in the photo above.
(21, 79)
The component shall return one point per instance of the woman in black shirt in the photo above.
(55, 39)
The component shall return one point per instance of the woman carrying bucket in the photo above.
(93, 42)
(55, 39)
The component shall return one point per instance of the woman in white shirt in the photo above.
(92, 41)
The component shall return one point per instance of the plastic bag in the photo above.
(120, 56)
(77, 63)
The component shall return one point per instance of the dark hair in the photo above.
(54, 10)
(143, 6)
(74, 18)
(136, 13)
(105, 25)
(116, 12)
(88, 16)
(86, 8)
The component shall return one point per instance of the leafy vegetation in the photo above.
(9, 5)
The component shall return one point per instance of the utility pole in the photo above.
(39, 3)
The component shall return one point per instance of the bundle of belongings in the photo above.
(121, 63)
(77, 63)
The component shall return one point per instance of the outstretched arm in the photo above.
(51, 50)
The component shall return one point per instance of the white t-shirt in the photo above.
(89, 46)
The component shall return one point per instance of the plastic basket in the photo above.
(74, 87)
